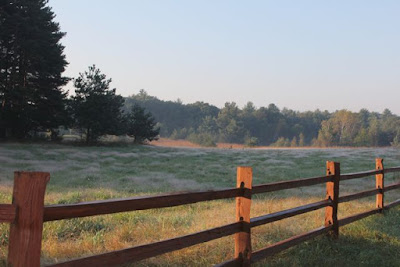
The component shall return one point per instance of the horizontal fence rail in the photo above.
(353, 218)
(392, 204)
(349, 176)
(146, 251)
(7, 213)
(264, 188)
(391, 187)
(393, 169)
(27, 214)
(359, 195)
(287, 243)
(276, 216)
(67, 211)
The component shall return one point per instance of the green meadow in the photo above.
(95, 173)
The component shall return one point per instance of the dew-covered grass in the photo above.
(94, 173)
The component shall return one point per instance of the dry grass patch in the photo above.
(93, 173)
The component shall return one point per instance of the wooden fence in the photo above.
(27, 214)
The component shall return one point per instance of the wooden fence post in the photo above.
(243, 203)
(332, 193)
(379, 185)
(26, 231)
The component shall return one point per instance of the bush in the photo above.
(281, 142)
(251, 142)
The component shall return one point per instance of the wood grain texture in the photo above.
(26, 231)
(393, 169)
(356, 217)
(358, 195)
(243, 205)
(7, 212)
(67, 211)
(270, 187)
(287, 243)
(392, 204)
(379, 184)
(276, 216)
(134, 254)
(391, 187)
(349, 176)
(332, 193)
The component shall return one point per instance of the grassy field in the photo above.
(93, 173)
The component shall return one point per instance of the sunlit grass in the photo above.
(93, 173)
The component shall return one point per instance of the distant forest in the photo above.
(206, 124)
(33, 101)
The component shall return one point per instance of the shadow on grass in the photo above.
(374, 241)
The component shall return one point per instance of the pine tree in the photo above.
(31, 67)
(141, 125)
(97, 110)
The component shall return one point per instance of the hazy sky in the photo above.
(297, 54)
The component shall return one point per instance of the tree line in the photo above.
(32, 99)
(207, 124)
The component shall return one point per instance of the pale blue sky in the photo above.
(297, 54)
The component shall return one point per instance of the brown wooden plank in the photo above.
(353, 218)
(270, 187)
(392, 204)
(349, 176)
(276, 216)
(391, 187)
(66, 211)
(7, 213)
(287, 243)
(332, 193)
(26, 231)
(243, 205)
(393, 169)
(379, 184)
(150, 250)
(358, 195)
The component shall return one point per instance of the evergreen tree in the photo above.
(97, 110)
(31, 64)
(141, 125)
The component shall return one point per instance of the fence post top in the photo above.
(332, 162)
(244, 167)
(31, 173)
(42, 176)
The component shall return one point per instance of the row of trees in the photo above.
(31, 96)
(32, 100)
(97, 110)
(207, 124)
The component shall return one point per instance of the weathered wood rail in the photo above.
(27, 213)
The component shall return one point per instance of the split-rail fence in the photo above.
(27, 213)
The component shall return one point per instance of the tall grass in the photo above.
(92, 173)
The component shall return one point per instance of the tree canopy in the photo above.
(141, 125)
(96, 107)
(31, 66)
(32, 61)
(269, 125)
